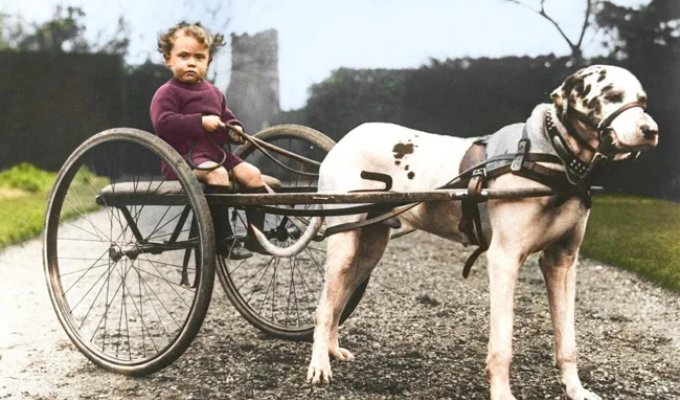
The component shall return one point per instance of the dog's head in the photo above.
(608, 103)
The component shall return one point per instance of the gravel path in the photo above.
(420, 332)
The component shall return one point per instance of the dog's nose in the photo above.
(648, 131)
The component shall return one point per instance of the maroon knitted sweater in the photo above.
(176, 111)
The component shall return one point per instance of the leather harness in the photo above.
(573, 181)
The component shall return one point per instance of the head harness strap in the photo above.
(578, 170)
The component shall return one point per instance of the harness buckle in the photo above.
(522, 150)
(481, 172)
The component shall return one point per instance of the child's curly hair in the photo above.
(195, 30)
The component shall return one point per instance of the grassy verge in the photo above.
(21, 217)
(638, 234)
(23, 195)
(23, 200)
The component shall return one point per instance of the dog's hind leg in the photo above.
(350, 259)
(558, 264)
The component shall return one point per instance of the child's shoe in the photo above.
(230, 248)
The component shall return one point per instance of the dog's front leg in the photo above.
(504, 264)
(558, 265)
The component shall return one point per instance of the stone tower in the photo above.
(253, 92)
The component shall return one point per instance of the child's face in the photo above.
(188, 59)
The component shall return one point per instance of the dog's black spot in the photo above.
(570, 83)
(397, 162)
(579, 87)
(607, 88)
(587, 74)
(595, 105)
(410, 175)
(402, 149)
(614, 96)
(407, 167)
(587, 90)
(603, 75)
(642, 98)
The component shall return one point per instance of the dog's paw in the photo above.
(319, 371)
(341, 354)
(318, 376)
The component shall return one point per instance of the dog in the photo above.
(597, 113)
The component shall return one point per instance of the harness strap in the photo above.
(371, 218)
(575, 168)
(471, 223)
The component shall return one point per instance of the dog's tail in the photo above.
(296, 248)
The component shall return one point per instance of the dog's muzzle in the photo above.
(605, 131)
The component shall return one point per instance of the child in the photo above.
(190, 114)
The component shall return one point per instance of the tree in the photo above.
(10, 32)
(64, 33)
(635, 34)
(575, 46)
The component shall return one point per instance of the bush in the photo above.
(26, 177)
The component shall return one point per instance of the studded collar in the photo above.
(577, 170)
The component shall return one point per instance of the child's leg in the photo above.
(250, 179)
(218, 176)
(218, 179)
(248, 176)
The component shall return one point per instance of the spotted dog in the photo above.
(596, 114)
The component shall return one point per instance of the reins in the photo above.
(259, 144)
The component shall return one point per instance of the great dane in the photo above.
(596, 113)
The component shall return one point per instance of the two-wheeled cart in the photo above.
(130, 259)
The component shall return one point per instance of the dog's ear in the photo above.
(568, 92)
(559, 101)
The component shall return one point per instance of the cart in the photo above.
(129, 255)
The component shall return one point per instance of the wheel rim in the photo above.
(280, 295)
(123, 298)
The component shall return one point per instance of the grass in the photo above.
(23, 200)
(21, 217)
(23, 195)
(637, 234)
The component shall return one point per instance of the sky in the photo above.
(319, 36)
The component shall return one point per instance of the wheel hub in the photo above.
(116, 252)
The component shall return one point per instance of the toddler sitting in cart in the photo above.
(192, 116)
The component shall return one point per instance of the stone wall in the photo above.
(253, 92)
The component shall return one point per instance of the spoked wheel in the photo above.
(128, 254)
(279, 295)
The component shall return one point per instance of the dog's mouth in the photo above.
(645, 143)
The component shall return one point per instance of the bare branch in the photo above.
(520, 3)
(586, 22)
(545, 15)
(575, 47)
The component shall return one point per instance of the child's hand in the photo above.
(235, 134)
(211, 123)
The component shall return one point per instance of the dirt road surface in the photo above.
(419, 333)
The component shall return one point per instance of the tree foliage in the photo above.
(636, 34)
(64, 33)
